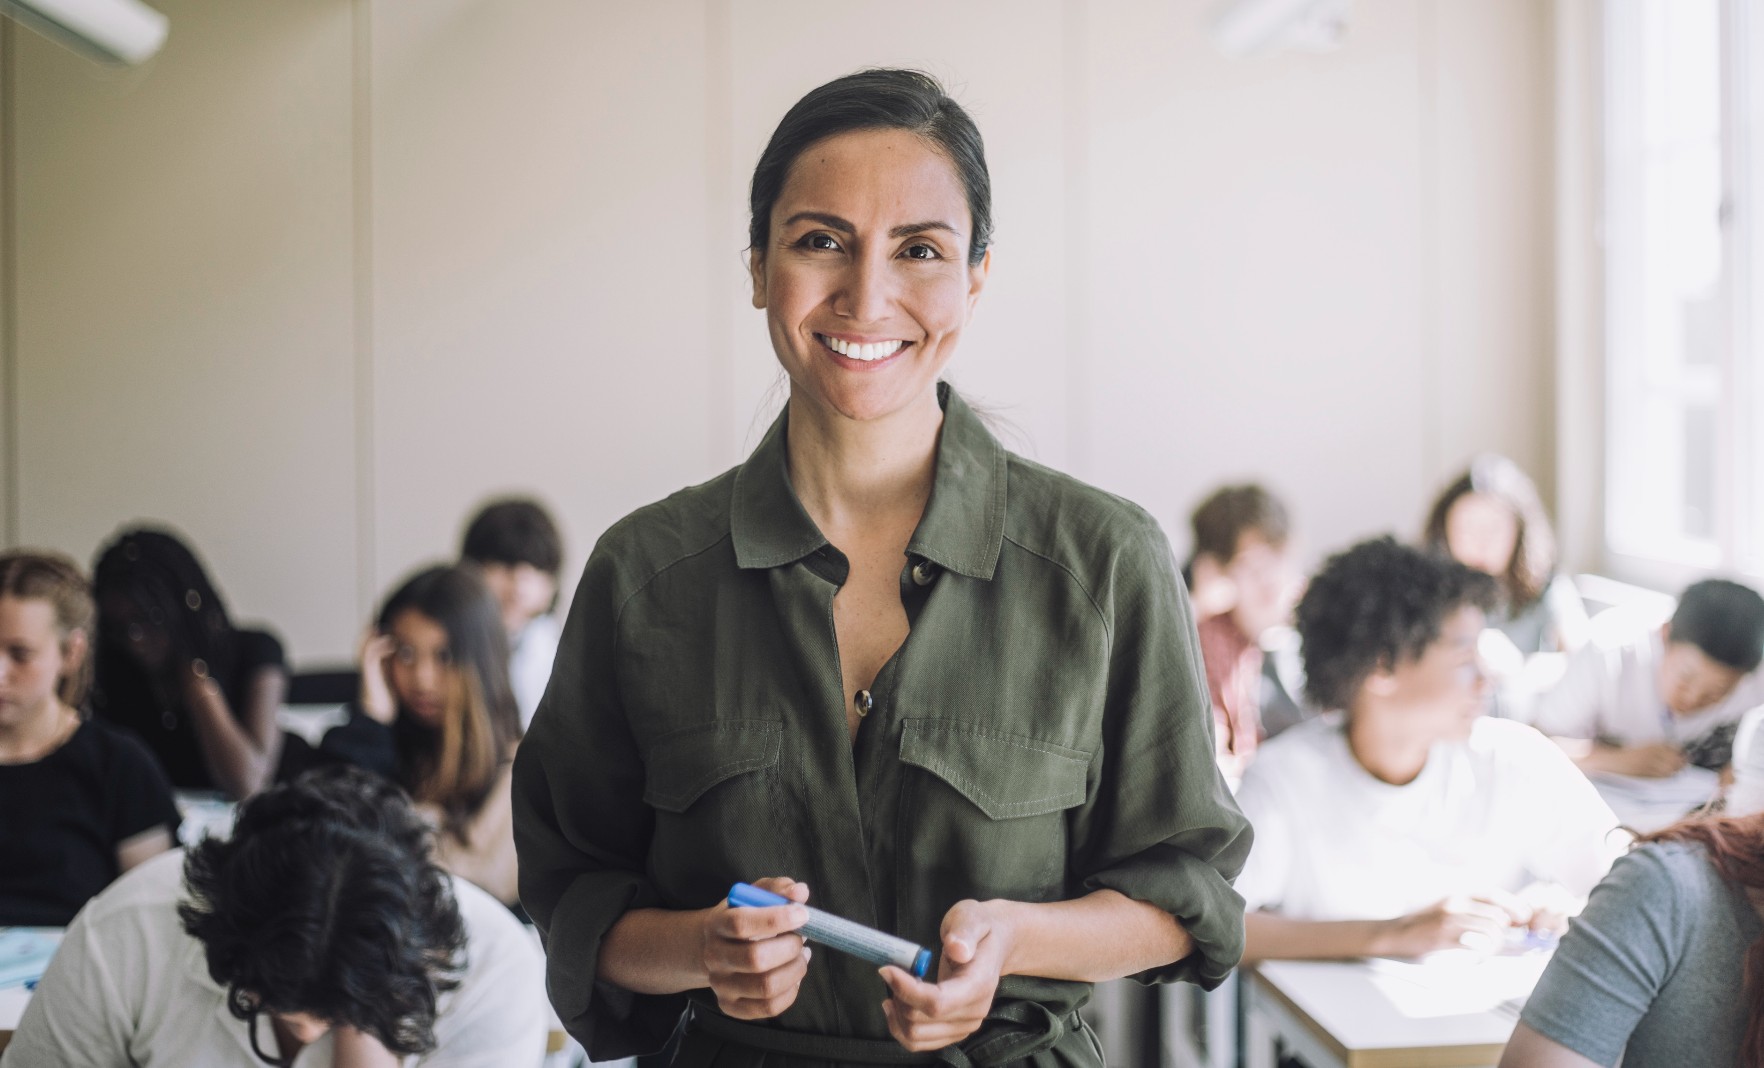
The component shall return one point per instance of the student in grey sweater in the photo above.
(1653, 973)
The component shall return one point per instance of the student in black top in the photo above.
(82, 802)
(172, 667)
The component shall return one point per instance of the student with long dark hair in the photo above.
(172, 667)
(80, 800)
(319, 932)
(1665, 967)
(436, 714)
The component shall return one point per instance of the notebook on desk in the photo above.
(25, 953)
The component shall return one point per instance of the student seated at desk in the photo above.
(80, 801)
(1664, 967)
(437, 716)
(516, 547)
(1408, 821)
(1492, 519)
(202, 693)
(319, 934)
(1646, 699)
(1242, 569)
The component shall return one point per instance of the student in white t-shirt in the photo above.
(1644, 698)
(516, 546)
(1407, 821)
(319, 934)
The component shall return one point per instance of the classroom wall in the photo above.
(326, 273)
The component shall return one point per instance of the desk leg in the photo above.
(1258, 1038)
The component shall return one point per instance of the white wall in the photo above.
(326, 273)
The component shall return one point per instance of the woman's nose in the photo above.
(867, 292)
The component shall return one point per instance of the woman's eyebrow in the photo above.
(913, 229)
(834, 222)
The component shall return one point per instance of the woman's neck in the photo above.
(851, 474)
(38, 733)
(1388, 754)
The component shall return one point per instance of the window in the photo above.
(1684, 275)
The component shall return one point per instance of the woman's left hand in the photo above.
(928, 1016)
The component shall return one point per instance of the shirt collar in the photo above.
(963, 526)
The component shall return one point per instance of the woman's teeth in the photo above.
(874, 351)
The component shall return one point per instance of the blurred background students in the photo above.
(516, 546)
(1646, 699)
(320, 930)
(1408, 821)
(436, 715)
(172, 667)
(1492, 519)
(1665, 967)
(80, 801)
(1245, 584)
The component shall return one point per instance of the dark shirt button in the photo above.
(923, 572)
(864, 703)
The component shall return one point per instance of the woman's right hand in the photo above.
(376, 689)
(754, 956)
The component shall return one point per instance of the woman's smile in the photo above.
(865, 354)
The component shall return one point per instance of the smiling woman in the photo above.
(884, 658)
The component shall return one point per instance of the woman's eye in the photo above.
(406, 655)
(921, 252)
(821, 242)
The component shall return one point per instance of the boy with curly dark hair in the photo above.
(1406, 821)
(319, 932)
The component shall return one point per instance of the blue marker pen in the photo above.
(865, 943)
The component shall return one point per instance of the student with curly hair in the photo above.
(82, 800)
(320, 933)
(1406, 821)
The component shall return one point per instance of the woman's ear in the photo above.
(756, 269)
(74, 649)
(977, 276)
(1382, 680)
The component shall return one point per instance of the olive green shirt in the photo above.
(1044, 732)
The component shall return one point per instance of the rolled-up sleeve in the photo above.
(582, 832)
(1161, 826)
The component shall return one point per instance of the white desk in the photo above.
(1454, 1011)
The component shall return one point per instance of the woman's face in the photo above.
(139, 632)
(1481, 532)
(425, 681)
(865, 279)
(34, 657)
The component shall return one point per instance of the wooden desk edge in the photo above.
(1391, 1057)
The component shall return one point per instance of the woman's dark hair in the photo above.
(456, 766)
(156, 573)
(1232, 511)
(324, 900)
(1375, 606)
(1735, 847)
(876, 99)
(1724, 619)
(514, 531)
(1533, 564)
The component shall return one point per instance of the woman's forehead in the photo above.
(880, 177)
